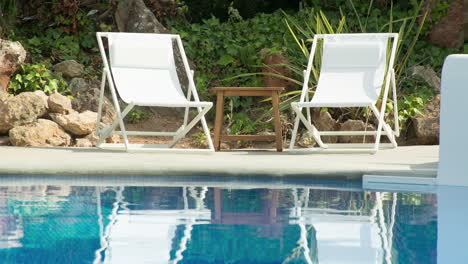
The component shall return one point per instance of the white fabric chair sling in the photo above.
(353, 71)
(141, 68)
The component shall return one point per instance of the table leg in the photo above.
(277, 120)
(219, 119)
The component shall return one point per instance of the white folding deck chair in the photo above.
(141, 68)
(354, 67)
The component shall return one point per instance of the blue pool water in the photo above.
(295, 223)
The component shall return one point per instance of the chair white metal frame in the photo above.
(354, 68)
(141, 70)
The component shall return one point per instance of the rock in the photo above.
(12, 55)
(325, 122)
(78, 124)
(448, 32)
(43, 96)
(42, 133)
(113, 139)
(89, 100)
(428, 75)
(19, 110)
(356, 125)
(4, 141)
(69, 69)
(426, 126)
(271, 65)
(83, 143)
(59, 104)
(134, 16)
(78, 85)
(93, 138)
(3, 95)
(305, 140)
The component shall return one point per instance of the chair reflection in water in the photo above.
(147, 234)
(324, 234)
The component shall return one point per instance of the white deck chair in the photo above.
(353, 70)
(141, 68)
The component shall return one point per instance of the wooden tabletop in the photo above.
(247, 89)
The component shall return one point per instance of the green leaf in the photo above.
(226, 60)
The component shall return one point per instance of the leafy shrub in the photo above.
(222, 50)
(36, 77)
(56, 42)
(136, 115)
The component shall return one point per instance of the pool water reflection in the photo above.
(199, 224)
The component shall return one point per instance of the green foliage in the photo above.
(200, 139)
(222, 50)
(241, 123)
(55, 42)
(438, 10)
(411, 106)
(136, 115)
(35, 77)
(8, 12)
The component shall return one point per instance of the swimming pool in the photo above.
(300, 222)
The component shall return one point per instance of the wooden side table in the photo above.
(272, 92)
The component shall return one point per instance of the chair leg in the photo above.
(189, 96)
(122, 128)
(311, 128)
(380, 126)
(294, 133)
(190, 125)
(101, 99)
(207, 133)
(109, 129)
(395, 106)
(386, 127)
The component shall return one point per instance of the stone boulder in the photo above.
(448, 32)
(19, 110)
(428, 75)
(3, 95)
(305, 140)
(78, 85)
(91, 140)
(426, 126)
(325, 122)
(83, 143)
(43, 96)
(276, 64)
(69, 69)
(12, 55)
(89, 100)
(134, 16)
(78, 124)
(356, 125)
(59, 104)
(42, 133)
